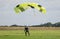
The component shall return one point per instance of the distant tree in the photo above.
(49, 24)
(14, 25)
(56, 24)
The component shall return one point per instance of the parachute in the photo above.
(22, 7)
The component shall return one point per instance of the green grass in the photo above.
(34, 34)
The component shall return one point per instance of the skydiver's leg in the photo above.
(25, 33)
(28, 33)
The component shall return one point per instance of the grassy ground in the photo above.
(34, 34)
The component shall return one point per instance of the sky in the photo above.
(30, 16)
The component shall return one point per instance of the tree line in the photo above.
(48, 24)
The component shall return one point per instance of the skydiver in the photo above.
(26, 29)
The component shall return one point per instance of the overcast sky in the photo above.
(30, 16)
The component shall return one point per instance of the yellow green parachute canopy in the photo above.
(22, 7)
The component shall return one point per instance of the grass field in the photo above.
(34, 34)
